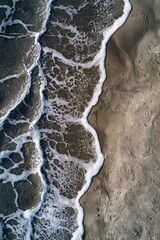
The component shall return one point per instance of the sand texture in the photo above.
(123, 202)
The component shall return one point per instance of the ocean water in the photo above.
(52, 68)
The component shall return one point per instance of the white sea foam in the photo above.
(9, 77)
(65, 60)
(34, 133)
(100, 58)
(92, 169)
(36, 36)
(8, 12)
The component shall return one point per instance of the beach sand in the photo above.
(123, 201)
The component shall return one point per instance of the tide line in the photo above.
(100, 57)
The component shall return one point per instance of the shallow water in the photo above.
(51, 73)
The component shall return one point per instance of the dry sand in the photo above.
(123, 202)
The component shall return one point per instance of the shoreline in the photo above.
(120, 118)
(94, 171)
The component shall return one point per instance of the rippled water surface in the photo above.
(50, 66)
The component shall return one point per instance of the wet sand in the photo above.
(123, 201)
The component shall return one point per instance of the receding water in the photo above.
(51, 74)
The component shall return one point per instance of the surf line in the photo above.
(29, 214)
(94, 169)
(100, 58)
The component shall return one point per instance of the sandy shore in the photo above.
(123, 201)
